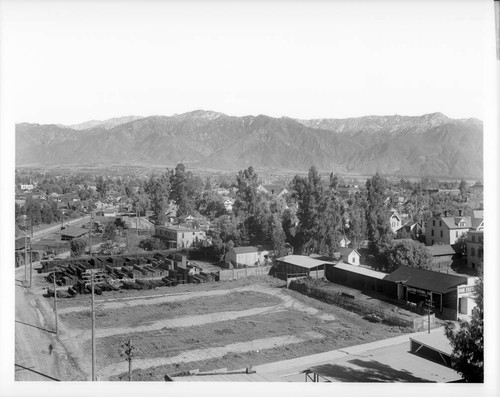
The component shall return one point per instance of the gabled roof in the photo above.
(274, 188)
(248, 249)
(345, 252)
(426, 279)
(477, 219)
(453, 222)
(396, 214)
(441, 249)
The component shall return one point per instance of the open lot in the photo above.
(209, 326)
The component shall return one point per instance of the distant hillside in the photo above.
(431, 144)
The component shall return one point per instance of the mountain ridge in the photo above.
(430, 144)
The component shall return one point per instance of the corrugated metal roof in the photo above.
(303, 261)
(360, 270)
(426, 279)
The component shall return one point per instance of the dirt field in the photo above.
(208, 326)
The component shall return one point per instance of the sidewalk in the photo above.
(291, 370)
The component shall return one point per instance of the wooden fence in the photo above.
(363, 308)
(233, 274)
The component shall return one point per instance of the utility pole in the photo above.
(93, 325)
(429, 305)
(55, 300)
(90, 234)
(128, 354)
(25, 256)
(136, 223)
(31, 263)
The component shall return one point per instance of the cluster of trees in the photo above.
(256, 218)
(39, 212)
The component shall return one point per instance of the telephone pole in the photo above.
(55, 300)
(93, 325)
(90, 234)
(31, 263)
(25, 256)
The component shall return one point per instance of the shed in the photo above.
(354, 276)
(71, 233)
(418, 285)
(350, 255)
(300, 265)
(247, 256)
(442, 252)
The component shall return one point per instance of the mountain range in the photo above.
(427, 145)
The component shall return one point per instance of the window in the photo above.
(456, 234)
(432, 232)
(479, 252)
(473, 265)
(433, 222)
(353, 259)
(472, 251)
(432, 242)
(440, 224)
(473, 238)
(441, 233)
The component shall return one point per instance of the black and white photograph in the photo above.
(279, 193)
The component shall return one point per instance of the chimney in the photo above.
(460, 212)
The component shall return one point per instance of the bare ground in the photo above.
(205, 326)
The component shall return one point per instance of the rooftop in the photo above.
(303, 261)
(426, 279)
(74, 231)
(248, 249)
(360, 270)
(441, 249)
(453, 222)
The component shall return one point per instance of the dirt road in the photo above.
(39, 355)
(57, 227)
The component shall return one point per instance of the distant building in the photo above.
(180, 237)
(228, 204)
(347, 190)
(442, 253)
(27, 187)
(291, 266)
(70, 233)
(275, 190)
(446, 229)
(451, 295)
(344, 242)
(415, 229)
(395, 221)
(248, 256)
(350, 255)
(475, 241)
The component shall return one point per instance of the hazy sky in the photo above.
(68, 62)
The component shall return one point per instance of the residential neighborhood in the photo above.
(388, 251)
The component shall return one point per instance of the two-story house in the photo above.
(180, 237)
(446, 229)
(475, 241)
